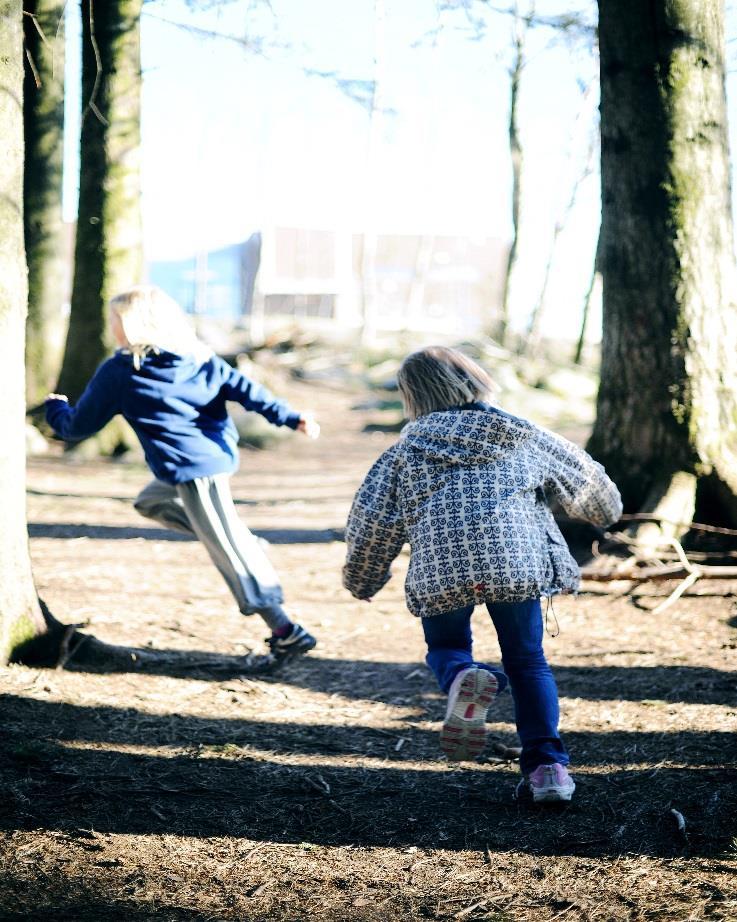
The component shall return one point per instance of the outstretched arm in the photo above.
(375, 532)
(98, 404)
(256, 398)
(579, 483)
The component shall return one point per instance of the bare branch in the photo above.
(46, 42)
(695, 526)
(34, 69)
(573, 23)
(254, 44)
(92, 104)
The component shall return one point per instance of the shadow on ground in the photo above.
(70, 531)
(375, 680)
(71, 901)
(64, 767)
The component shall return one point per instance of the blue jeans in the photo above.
(519, 627)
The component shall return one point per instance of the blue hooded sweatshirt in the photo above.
(176, 406)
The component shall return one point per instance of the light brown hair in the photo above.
(437, 378)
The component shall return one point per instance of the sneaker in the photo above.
(463, 735)
(548, 784)
(296, 643)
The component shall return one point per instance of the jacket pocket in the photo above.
(566, 574)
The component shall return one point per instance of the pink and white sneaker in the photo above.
(463, 735)
(548, 784)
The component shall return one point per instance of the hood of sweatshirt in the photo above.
(476, 433)
(167, 366)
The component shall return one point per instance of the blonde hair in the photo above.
(438, 378)
(151, 321)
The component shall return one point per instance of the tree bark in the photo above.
(43, 122)
(108, 253)
(666, 406)
(28, 631)
(21, 617)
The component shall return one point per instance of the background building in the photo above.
(423, 283)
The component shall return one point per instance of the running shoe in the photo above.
(463, 735)
(547, 784)
(296, 643)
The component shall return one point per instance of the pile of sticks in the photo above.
(668, 561)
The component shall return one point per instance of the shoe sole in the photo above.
(463, 735)
(552, 795)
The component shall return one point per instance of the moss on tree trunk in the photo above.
(28, 631)
(108, 250)
(43, 120)
(20, 614)
(666, 404)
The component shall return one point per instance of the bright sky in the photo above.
(234, 140)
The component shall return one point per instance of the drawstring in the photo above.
(549, 608)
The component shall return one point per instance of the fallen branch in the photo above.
(653, 573)
(691, 526)
(512, 753)
(692, 577)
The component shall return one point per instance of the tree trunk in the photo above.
(370, 236)
(28, 631)
(588, 297)
(108, 253)
(533, 338)
(43, 122)
(418, 285)
(515, 154)
(666, 405)
(21, 618)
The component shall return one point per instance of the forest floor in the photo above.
(197, 790)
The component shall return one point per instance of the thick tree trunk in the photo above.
(21, 618)
(28, 631)
(666, 405)
(43, 120)
(108, 253)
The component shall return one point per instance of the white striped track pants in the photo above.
(204, 508)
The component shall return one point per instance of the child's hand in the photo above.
(56, 397)
(309, 426)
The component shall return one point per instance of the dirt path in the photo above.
(202, 793)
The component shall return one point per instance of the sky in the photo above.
(235, 139)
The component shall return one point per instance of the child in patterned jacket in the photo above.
(467, 486)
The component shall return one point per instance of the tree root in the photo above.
(64, 646)
(649, 550)
(88, 654)
(671, 500)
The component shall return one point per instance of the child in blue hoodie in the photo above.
(173, 391)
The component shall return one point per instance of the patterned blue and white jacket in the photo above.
(467, 488)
